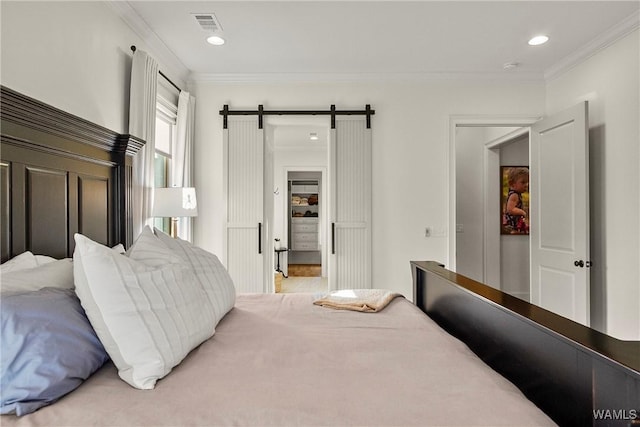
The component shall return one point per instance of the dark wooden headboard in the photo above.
(577, 375)
(59, 175)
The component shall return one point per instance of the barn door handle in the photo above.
(259, 237)
(333, 238)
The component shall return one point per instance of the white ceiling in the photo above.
(382, 38)
(294, 135)
(354, 40)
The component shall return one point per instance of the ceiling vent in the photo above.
(208, 22)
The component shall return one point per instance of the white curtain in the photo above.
(182, 156)
(142, 123)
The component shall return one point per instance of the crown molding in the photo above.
(169, 62)
(359, 77)
(615, 33)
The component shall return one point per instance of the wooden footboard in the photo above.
(577, 375)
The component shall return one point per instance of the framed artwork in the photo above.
(514, 200)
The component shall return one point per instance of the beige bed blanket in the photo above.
(365, 300)
(279, 360)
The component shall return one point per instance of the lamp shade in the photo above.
(173, 202)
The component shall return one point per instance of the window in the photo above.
(166, 113)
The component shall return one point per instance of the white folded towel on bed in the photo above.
(365, 300)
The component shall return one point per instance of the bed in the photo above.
(279, 360)
(274, 359)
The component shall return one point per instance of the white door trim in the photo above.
(480, 121)
(496, 143)
(491, 255)
(324, 212)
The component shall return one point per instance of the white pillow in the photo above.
(43, 259)
(20, 262)
(149, 249)
(147, 317)
(119, 248)
(210, 273)
(56, 274)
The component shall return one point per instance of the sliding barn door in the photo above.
(243, 150)
(350, 210)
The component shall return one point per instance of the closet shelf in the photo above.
(304, 220)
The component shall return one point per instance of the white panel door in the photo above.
(559, 223)
(245, 243)
(350, 210)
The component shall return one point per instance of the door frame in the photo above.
(524, 121)
(492, 242)
(324, 212)
(272, 122)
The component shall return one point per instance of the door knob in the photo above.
(579, 263)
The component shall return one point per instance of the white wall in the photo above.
(74, 56)
(470, 202)
(410, 154)
(609, 81)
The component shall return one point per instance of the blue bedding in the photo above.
(48, 348)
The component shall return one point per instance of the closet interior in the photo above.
(304, 223)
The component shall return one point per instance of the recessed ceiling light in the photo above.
(510, 65)
(313, 136)
(538, 40)
(215, 40)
